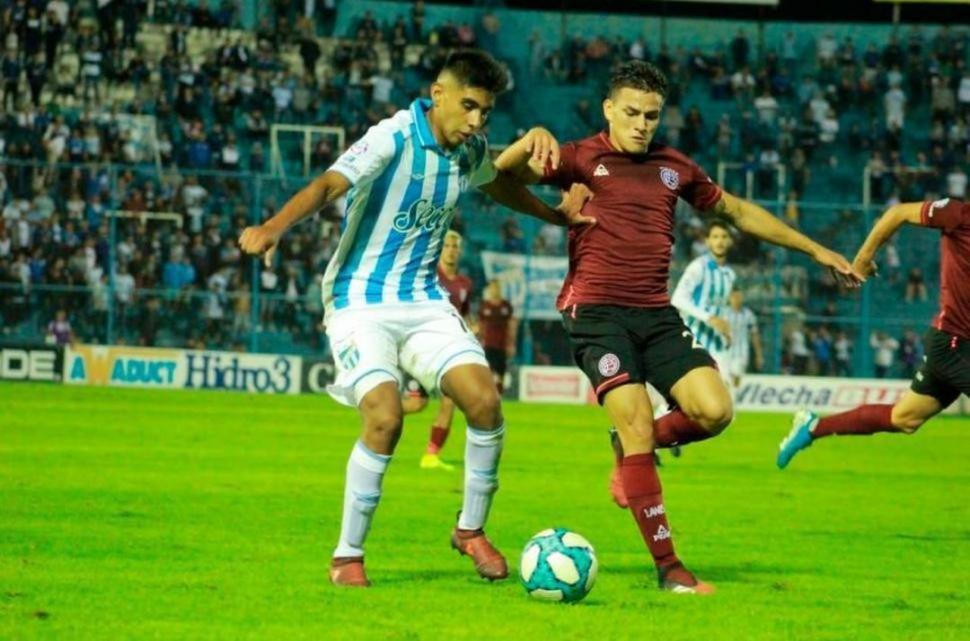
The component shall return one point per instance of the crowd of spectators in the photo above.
(74, 74)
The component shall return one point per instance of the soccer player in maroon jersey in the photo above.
(459, 289)
(945, 372)
(497, 331)
(614, 301)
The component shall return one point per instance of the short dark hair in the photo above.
(476, 68)
(640, 75)
(717, 223)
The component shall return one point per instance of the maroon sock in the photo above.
(676, 429)
(863, 420)
(642, 487)
(438, 437)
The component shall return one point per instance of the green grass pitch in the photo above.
(128, 514)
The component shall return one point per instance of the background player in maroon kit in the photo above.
(496, 331)
(615, 303)
(459, 289)
(945, 372)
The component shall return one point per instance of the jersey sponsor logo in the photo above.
(670, 178)
(601, 170)
(662, 533)
(422, 214)
(609, 364)
(359, 148)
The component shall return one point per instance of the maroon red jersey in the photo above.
(952, 217)
(493, 318)
(625, 258)
(459, 290)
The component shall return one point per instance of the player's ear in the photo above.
(437, 93)
(608, 109)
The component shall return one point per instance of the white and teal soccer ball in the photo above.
(558, 565)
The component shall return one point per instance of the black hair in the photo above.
(718, 223)
(476, 68)
(640, 75)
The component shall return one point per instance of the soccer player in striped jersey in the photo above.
(385, 312)
(701, 295)
(945, 371)
(744, 338)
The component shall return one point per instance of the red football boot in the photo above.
(489, 562)
(348, 571)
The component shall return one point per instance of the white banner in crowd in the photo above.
(530, 283)
(757, 392)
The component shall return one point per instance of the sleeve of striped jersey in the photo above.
(692, 278)
(752, 322)
(368, 157)
(700, 191)
(483, 169)
(947, 214)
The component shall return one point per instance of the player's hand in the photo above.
(721, 326)
(572, 205)
(865, 266)
(261, 239)
(845, 274)
(544, 148)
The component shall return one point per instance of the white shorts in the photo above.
(738, 366)
(379, 344)
(723, 360)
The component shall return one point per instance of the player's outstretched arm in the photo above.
(262, 239)
(508, 191)
(757, 221)
(884, 229)
(527, 158)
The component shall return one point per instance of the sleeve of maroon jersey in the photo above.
(700, 191)
(947, 214)
(566, 173)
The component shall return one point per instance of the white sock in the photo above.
(362, 492)
(482, 452)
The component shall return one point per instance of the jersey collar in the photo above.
(419, 111)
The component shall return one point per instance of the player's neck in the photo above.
(450, 272)
(720, 260)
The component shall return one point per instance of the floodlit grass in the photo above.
(128, 514)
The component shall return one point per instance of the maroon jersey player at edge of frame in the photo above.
(945, 371)
(614, 302)
(459, 288)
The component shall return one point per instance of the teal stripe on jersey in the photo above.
(368, 219)
(375, 282)
(409, 278)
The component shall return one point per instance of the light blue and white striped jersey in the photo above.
(403, 198)
(703, 292)
(743, 323)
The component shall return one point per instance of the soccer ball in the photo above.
(558, 565)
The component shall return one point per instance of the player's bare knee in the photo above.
(907, 423)
(485, 410)
(715, 417)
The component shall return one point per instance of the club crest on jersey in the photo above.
(670, 178)
(609, 364)
(422, 214)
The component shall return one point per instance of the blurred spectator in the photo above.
(798, 351)
(884, 352)
(843, 354)
(59, 331)
(910, 353)
(915, 287)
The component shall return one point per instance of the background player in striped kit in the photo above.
(701, 295)
(744, 338)
(385, 312)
